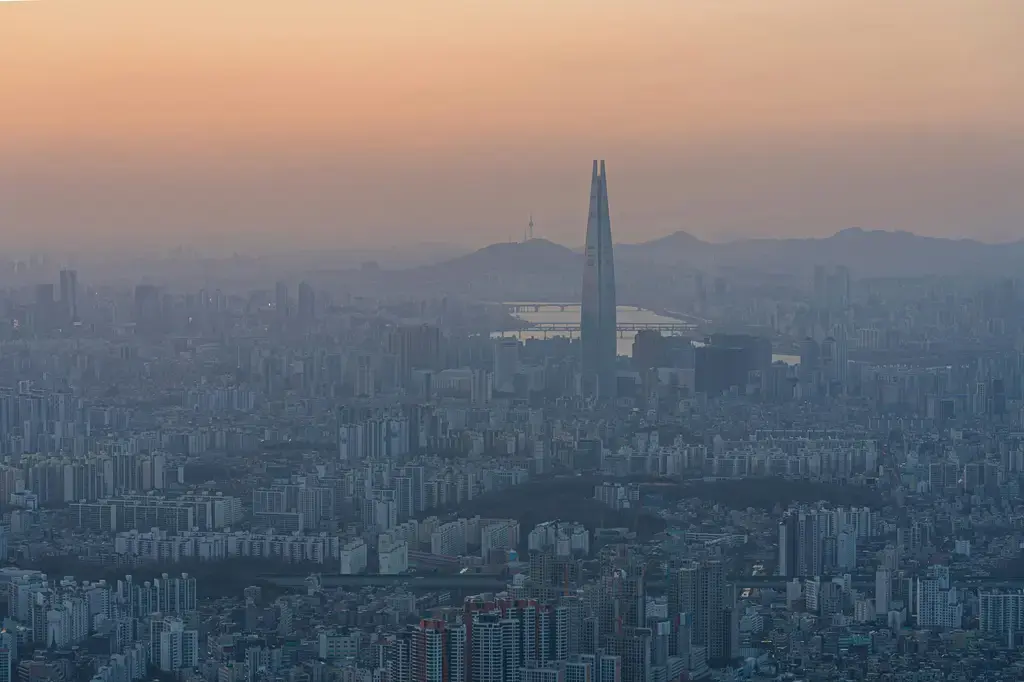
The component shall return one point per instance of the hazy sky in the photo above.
(332, 122)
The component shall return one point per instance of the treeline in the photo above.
(222, 578)
(564, 499)
(767, 493)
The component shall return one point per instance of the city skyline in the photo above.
(322, 123)
(310, 370)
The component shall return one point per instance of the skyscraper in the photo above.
(506, 364)
(282, 304)
(700, 591)
(69, 295)
(307, 302)
(597, 315)
(438, 652)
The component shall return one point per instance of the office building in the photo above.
(415, 347)
(506, 364)
(282, 303)
(148, 307)
(307, 302)
(69, 295)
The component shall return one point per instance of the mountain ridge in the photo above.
(845, 233)
(867, 252)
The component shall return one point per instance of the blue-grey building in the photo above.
(597, 321)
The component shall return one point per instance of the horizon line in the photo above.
(216, 252)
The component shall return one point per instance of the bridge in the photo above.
(671, 328)
(518, 308)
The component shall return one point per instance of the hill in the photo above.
(542, 270)
(509, 271)
(868, 253)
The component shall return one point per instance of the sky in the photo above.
(256, 125)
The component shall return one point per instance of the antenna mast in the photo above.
(529, 230)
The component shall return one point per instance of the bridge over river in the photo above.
(534, 328)
(543, 318)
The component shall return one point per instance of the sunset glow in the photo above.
(182, 91)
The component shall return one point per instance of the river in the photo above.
(625, 314)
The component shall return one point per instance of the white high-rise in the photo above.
(938, 604)
(179, 648)
(1002, 614)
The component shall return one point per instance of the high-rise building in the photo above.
(802, 535)
(883, 591)
(8, 654)
(534, 672)
(494, 648)
(364, 380)
(597, 667)
(307, 302)
(699, 590)
(597, 313)
(147, 306)
(415, 347)
(809, 369)
(726, 361)
(938, 604)
(69, 295)
(438, 652)
(632, 646)
(1000, 614)
(178, 647)
(506, 364)
(282, 304)
(506, 635)
(175, 595)
(44, 307)
(620, 601)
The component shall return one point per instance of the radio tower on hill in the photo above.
(528, 234)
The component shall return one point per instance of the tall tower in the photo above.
(597, 315)
(69, 295)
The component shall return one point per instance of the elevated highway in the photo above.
(471, 582)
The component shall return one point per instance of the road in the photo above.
(491, 583)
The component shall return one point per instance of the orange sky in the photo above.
(162, 98)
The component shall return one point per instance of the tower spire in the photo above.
(528, 232)
(597, 314)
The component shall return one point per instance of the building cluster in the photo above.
(127, 628)
(810, 477)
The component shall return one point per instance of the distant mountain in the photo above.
(535, 256)
(676, 240)
(510, 270)
(542, 270)
(868, 253)
(674, 250)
